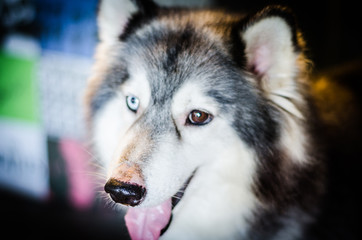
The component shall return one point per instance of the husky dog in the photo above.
(204, 123)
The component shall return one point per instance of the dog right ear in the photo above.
(114, 16)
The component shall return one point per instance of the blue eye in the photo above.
(133, 103)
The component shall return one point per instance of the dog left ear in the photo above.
(273, 47)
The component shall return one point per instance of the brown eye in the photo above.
(197, 117)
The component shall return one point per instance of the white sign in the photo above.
(23, 158)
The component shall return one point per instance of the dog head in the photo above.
(175, 90)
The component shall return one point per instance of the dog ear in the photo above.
(273, 47)
(114, 16)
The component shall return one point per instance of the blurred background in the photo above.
(46, 46)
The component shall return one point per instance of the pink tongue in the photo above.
(147, 223)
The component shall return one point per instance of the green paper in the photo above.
(18, 92)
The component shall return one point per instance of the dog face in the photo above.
(167, 112)
(177, 93)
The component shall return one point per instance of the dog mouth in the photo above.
(151, 223)
(178, 196)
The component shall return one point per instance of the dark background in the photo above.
(331, 28)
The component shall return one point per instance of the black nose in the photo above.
(125, 193)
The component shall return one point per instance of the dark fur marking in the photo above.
(178, 43)
(108, 88)
(178, 133)
(237, 49)
(148, 10)
(283, 191)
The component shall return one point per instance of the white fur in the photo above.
(113, 17)
(109, 125)
(114, 119)
(222, 184)
(270, 51)
(191, 97)
(172, 162)
(137, 86)
(294, 140)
